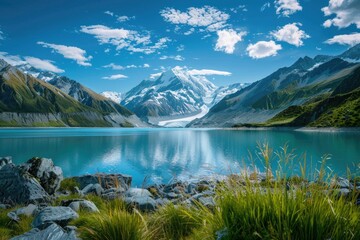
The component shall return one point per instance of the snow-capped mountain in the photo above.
(42, 75)
(223, 91)
(306, 80)
(174, 95)
(113, 96)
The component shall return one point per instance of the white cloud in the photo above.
(155, 75)
(346, 39)
(109, 13)
(176, 58)
(227, 39)
(107, 50)
(130, 40)
(70, 52)
(41, 64)
(205, 72)
(239, 8)
(125, 18)
(346, 11)
(206, 17)
(263, 49)
(180, 48)
(265, 6)
(113, 66)
(13, 60)
(115, 77)
(287, 7)
(291, 34)
(191, 31)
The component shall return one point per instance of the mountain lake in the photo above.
(156, 155)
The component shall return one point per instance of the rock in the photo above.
(50, 176)
(106, 180)
(172, 195)
(77, 204)
(162, 201)
(143, 203)
(5, 161)
(93, 188)
(5, 206)
(59, 215)
(207, 201)
(112, 195)
(19, 187)
(340, 182)
(28, 211)
(52, 232)
(221, 234)
(137, 192)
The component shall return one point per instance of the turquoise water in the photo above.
(157, 155)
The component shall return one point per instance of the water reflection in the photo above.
(162, 154)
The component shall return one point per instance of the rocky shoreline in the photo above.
(36, 185)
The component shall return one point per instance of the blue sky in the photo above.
(113, 45)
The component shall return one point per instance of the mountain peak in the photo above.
(3, 64)
(352, 53)
(303, 63)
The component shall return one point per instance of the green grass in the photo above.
(10, 228)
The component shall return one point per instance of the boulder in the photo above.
(137, 192)
(143, 203)
(29, 210)
(93, 188)
(340, 182)
(207, 201)
(77, 204)
(5, 161)
(105, 180)
(50, 176)
(19, 187)
(60, 215)
(52, 232)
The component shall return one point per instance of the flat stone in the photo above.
(28, 211)
(60, 215)
(52, 232)
(19, 187)
(93, 188)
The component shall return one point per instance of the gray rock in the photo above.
(19, 187)
(207, 201)
(112, 195)
(93, 188)
(137, 192)
(106, 180)
(172, 195)
(59, 215)
(5, 206)
(5, 161)
(28, 211)
(77, 204)
(162, 201)
(142, 203)
(52, 232)
(340, 182)
(50, 176)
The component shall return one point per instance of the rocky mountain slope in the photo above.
(28, 101)
(307, 80)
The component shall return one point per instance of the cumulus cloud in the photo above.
(227, 39)
(206, 17)
(346, 39)
(263, 49)
(115, 77)
(41, 64)
(176, 58)
(70, 52)
(114, 66)
(291, 34)
(130, 40)
(205, 72)
(287, 7)
(346, 13)
(13, 60)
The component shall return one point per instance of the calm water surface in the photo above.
(157, 155)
